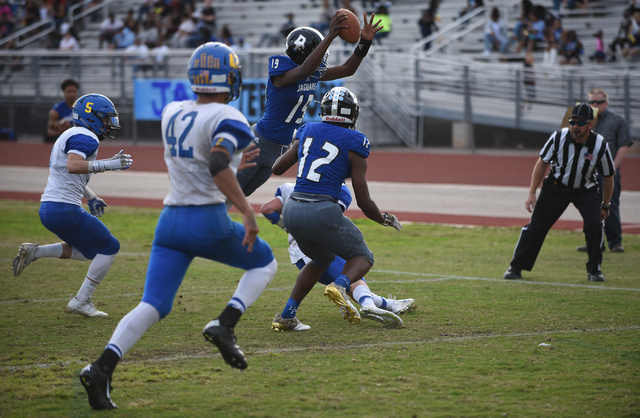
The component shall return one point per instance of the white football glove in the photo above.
(391, 220)
(96, 206)
(120, 161)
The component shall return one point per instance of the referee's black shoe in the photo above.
(512, 274)
(596, 276)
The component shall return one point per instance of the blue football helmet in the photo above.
(98, 114)
(215, 68)
(339, 105)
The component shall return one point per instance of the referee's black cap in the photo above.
(583, 112)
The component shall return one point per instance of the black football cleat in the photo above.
(224, 338)
(98, 386)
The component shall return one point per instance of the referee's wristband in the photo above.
(362, 48)
(605, 207)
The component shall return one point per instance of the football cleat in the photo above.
(288, 324)
(85, 308)
(98, 386)
(224, 338)
(401, 306)
(338, 295)
(26, 255)
(385, 317)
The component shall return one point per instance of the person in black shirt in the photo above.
(576, 155)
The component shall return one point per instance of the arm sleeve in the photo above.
(233, 135)
(82, 145)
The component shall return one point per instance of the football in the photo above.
(352, 33)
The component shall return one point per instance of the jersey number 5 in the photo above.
(171, 138)
(312, 175)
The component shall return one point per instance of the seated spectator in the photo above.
(633, 48)
(322, 25)
(526, 7)
(241, 45)
(534, 33)
(495, 33)
(143, 10)
(553, 36)
(187, 29)
(108, 29)
(571, 4)
(382, 13)
(68, 42)
(161, 52)
(226, 37)
(207, 20)
(31, 13)
(621, 39)
(471, 5)
(570, 49)
(124, 38)
(59, 12)
(268, 39)
(599, 55)
(138, 55)
(149, 33)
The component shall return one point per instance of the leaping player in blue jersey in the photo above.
(291, 87)
(204, 143)
(272, 210)
(329, 152)
(84, 237)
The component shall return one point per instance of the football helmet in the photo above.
(215, 68)
(301, 42)
(98, 114)
(339, 105)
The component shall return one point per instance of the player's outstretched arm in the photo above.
(286, 160)
(361, 188)
(311, 64)
(228, 184)
(353, 62)
(76, 164)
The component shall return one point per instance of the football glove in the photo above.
(96, 206)
(391, 220)
(120, 161)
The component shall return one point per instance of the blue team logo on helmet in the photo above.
(98, 114)
(215, 68)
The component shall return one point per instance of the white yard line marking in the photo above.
(329, 348)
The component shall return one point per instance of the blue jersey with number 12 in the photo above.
(285, 106)
(323, 157)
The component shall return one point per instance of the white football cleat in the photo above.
(85, 308)
(385, 317)
(401, 306)
(26, 255)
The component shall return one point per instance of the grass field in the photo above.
(471, 348)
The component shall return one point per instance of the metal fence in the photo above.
(396, 89)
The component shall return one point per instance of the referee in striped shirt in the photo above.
(576, 155)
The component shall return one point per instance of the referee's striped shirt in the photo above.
(575, 165)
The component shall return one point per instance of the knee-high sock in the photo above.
(46, 251)
(252, 284)
(132, 327)
(77, 255)
(362, 294)
(97, 270)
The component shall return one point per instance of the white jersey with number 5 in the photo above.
(189, 130)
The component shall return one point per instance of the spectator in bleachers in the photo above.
(553, 36)
(633, 35)
(31, 13)
(68, 42)
(130, 21)
(622, 39)
(571, 4)
(322, 25)
(529, 80)
(226, 37)
(170, 24)
(471, 5)
(139, 56)
(521, 25)
(382, 13)
(599, 55)
(124, 38)
(149, 34)
(144, 9)
(13, 63)
(241, 45)
(59, 12)
(534, 32)
(187, 29)
(161, 52)
(207, 20)
(570, 49)
(495, 33)
(427, 22)
(109, 28)
(269, 39)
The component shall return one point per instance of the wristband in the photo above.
(362, 48)
(605, 207)
(104, 165)
(273, 217)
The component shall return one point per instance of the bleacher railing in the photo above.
(398, 89)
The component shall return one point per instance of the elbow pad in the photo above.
(218, 162)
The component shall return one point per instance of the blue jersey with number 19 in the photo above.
(286, 106)
(323, 157)
(189, 130)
